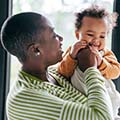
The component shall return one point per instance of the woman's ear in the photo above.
(34, 50)
(77, 34)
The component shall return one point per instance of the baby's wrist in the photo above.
(72, 56)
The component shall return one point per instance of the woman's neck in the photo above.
(39, 72)
(36, 69)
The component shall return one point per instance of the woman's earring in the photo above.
(37, 54)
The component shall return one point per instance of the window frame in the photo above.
(5, 11)
(116, 39)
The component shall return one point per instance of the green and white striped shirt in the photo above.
(33, 99)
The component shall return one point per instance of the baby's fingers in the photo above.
(94, 50)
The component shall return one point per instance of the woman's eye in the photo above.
(56, 36)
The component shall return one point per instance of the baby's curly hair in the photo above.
(95, 11)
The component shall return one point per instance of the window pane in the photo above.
(61, 13)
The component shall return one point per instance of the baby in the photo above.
(92, 27)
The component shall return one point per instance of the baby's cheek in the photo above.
(85, 40)
(101, 46)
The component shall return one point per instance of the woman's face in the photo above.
(51, 47)
(94, 31)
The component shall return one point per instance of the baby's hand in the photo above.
(78, 45)
(98, 55)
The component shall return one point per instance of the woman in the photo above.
(42, 94)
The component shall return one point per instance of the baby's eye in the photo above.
(90, 35)
(102, 37)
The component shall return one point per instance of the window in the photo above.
(61, 13)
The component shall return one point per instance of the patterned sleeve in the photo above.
(98, 105)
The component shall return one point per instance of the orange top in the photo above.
(110, 67)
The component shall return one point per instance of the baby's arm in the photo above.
(68, 64)
(110, 67)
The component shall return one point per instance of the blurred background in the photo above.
(61, 14)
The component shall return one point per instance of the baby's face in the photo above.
(94, 32)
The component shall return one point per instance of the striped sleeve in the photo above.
(29, 105)
(98, 105)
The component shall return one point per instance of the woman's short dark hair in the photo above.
(21, 30)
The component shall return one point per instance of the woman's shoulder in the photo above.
(63, 81)
(54, 72)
